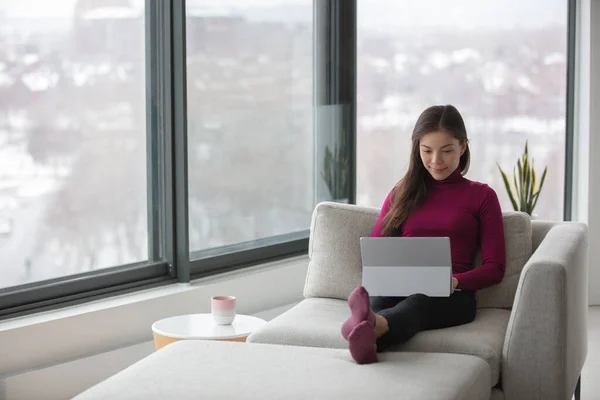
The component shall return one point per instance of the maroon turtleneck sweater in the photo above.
(469, 214)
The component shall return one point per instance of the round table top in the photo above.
(203, 326)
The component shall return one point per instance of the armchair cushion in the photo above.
(517, 237)
(311, 323)
(335, 265)
(317, 323)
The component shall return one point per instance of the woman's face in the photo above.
(440, 153)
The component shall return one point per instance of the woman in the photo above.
(432, 199)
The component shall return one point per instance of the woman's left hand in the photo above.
(454, 283)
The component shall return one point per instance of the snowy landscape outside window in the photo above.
(72, 137)
(501, 63)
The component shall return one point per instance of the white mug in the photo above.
(223, 309)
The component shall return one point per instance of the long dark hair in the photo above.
(411, 190)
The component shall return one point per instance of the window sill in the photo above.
(81, 330)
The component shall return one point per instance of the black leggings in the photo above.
(407, 316)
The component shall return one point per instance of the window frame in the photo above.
(334, 84)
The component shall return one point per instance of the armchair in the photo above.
(531, 328)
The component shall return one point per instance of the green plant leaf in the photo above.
(508, 188)
(525, 179)
(523, 183)
(534, 200)
(540, 188)
(533, 188)
(516, 193)
(533, 180)
(543, 179)
(526, 196)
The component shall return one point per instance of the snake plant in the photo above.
(525, 195)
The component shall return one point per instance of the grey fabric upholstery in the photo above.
(546, 343)
(335, 266)
(539, 230)
(497, 394)
(543, 295)
(314, 322)
(483, 337)
(317, 322)
(517, 235)
(229, 370)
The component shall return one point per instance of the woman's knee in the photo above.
(473, 313)
(419, 297)
(469, 312)
(471, 306)
(420, 303)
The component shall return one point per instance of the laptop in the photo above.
(401, 266)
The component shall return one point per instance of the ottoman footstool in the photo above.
(233, 370)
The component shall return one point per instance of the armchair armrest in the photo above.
(546, 340)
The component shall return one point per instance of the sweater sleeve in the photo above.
(387, 203)
(493, 252)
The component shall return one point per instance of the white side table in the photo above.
(203, 327)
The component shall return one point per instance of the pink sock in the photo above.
(362, 344)
(358, 301)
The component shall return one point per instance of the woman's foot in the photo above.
(362, 343)
(358, 301)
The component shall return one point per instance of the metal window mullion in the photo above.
(161, 226)
(164, 65)
(349, 18)
(179, 152)
(334, 48)
(153, 30)
(168, 203)
(570, 109)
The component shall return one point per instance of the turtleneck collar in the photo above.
(454, 177)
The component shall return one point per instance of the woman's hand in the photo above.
(454, 282)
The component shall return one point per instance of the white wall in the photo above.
(587, 106)
(56, 355)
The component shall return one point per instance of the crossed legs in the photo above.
(377, 323)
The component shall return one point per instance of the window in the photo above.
(143, 142)
(250, 122)
(505, 72)
(72, 138)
